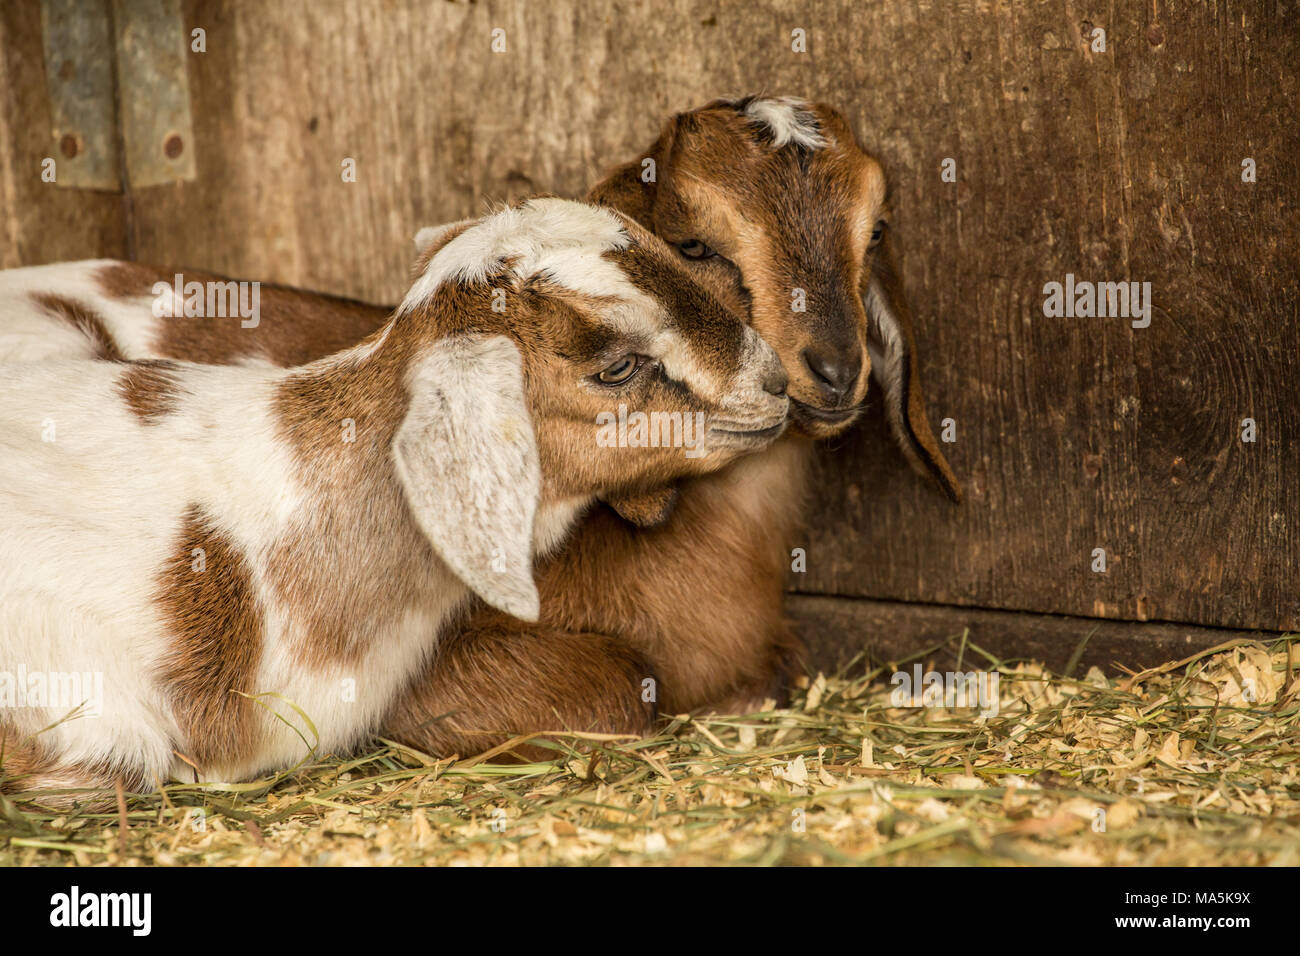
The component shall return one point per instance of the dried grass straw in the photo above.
(1194, 763)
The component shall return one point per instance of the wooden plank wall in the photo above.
(1072, 434)
(40, 221)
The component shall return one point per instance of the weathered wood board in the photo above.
(885, 632)
(1072, 434)
(42, 221)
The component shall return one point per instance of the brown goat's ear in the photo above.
(631, 188)
(647, 509)
(894, 366)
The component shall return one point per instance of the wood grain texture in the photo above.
(40, 221)
(1075, 434)
(850, 633)
(1072, 434)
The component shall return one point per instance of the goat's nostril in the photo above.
(774, 382)
(836, 373)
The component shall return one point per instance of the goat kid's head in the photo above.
(538, 338)
(778, 194)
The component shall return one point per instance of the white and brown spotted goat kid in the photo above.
(229, 544)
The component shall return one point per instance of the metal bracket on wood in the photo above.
(143, 45)
(79, 76)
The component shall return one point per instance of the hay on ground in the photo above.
(1194, 763)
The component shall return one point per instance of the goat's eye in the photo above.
(877, 233)
(694, 249)
(621, 371)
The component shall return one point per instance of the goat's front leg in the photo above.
(782, 662)
(491, 682)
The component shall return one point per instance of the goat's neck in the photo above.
(340, 410)
(556, 520)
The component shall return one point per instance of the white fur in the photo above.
(396, 649)
(29, 333)
(90, 518)
(89, 521)
(789, 120)
(554, 237)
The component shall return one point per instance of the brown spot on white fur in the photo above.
(295, 326)
(215, 624)
(84, 319)
(150, 388)
(336, 598)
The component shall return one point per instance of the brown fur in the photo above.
(216, 629)
(295, 326)
(84, 319)
(504, 678)
(333, 595)
(700, 595)
(786, 219)
(150, 388)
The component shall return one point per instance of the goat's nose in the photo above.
(834, 372)
(774, 382)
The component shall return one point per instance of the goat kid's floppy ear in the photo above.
(894, 367)
(645, 509)
(467, 459)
